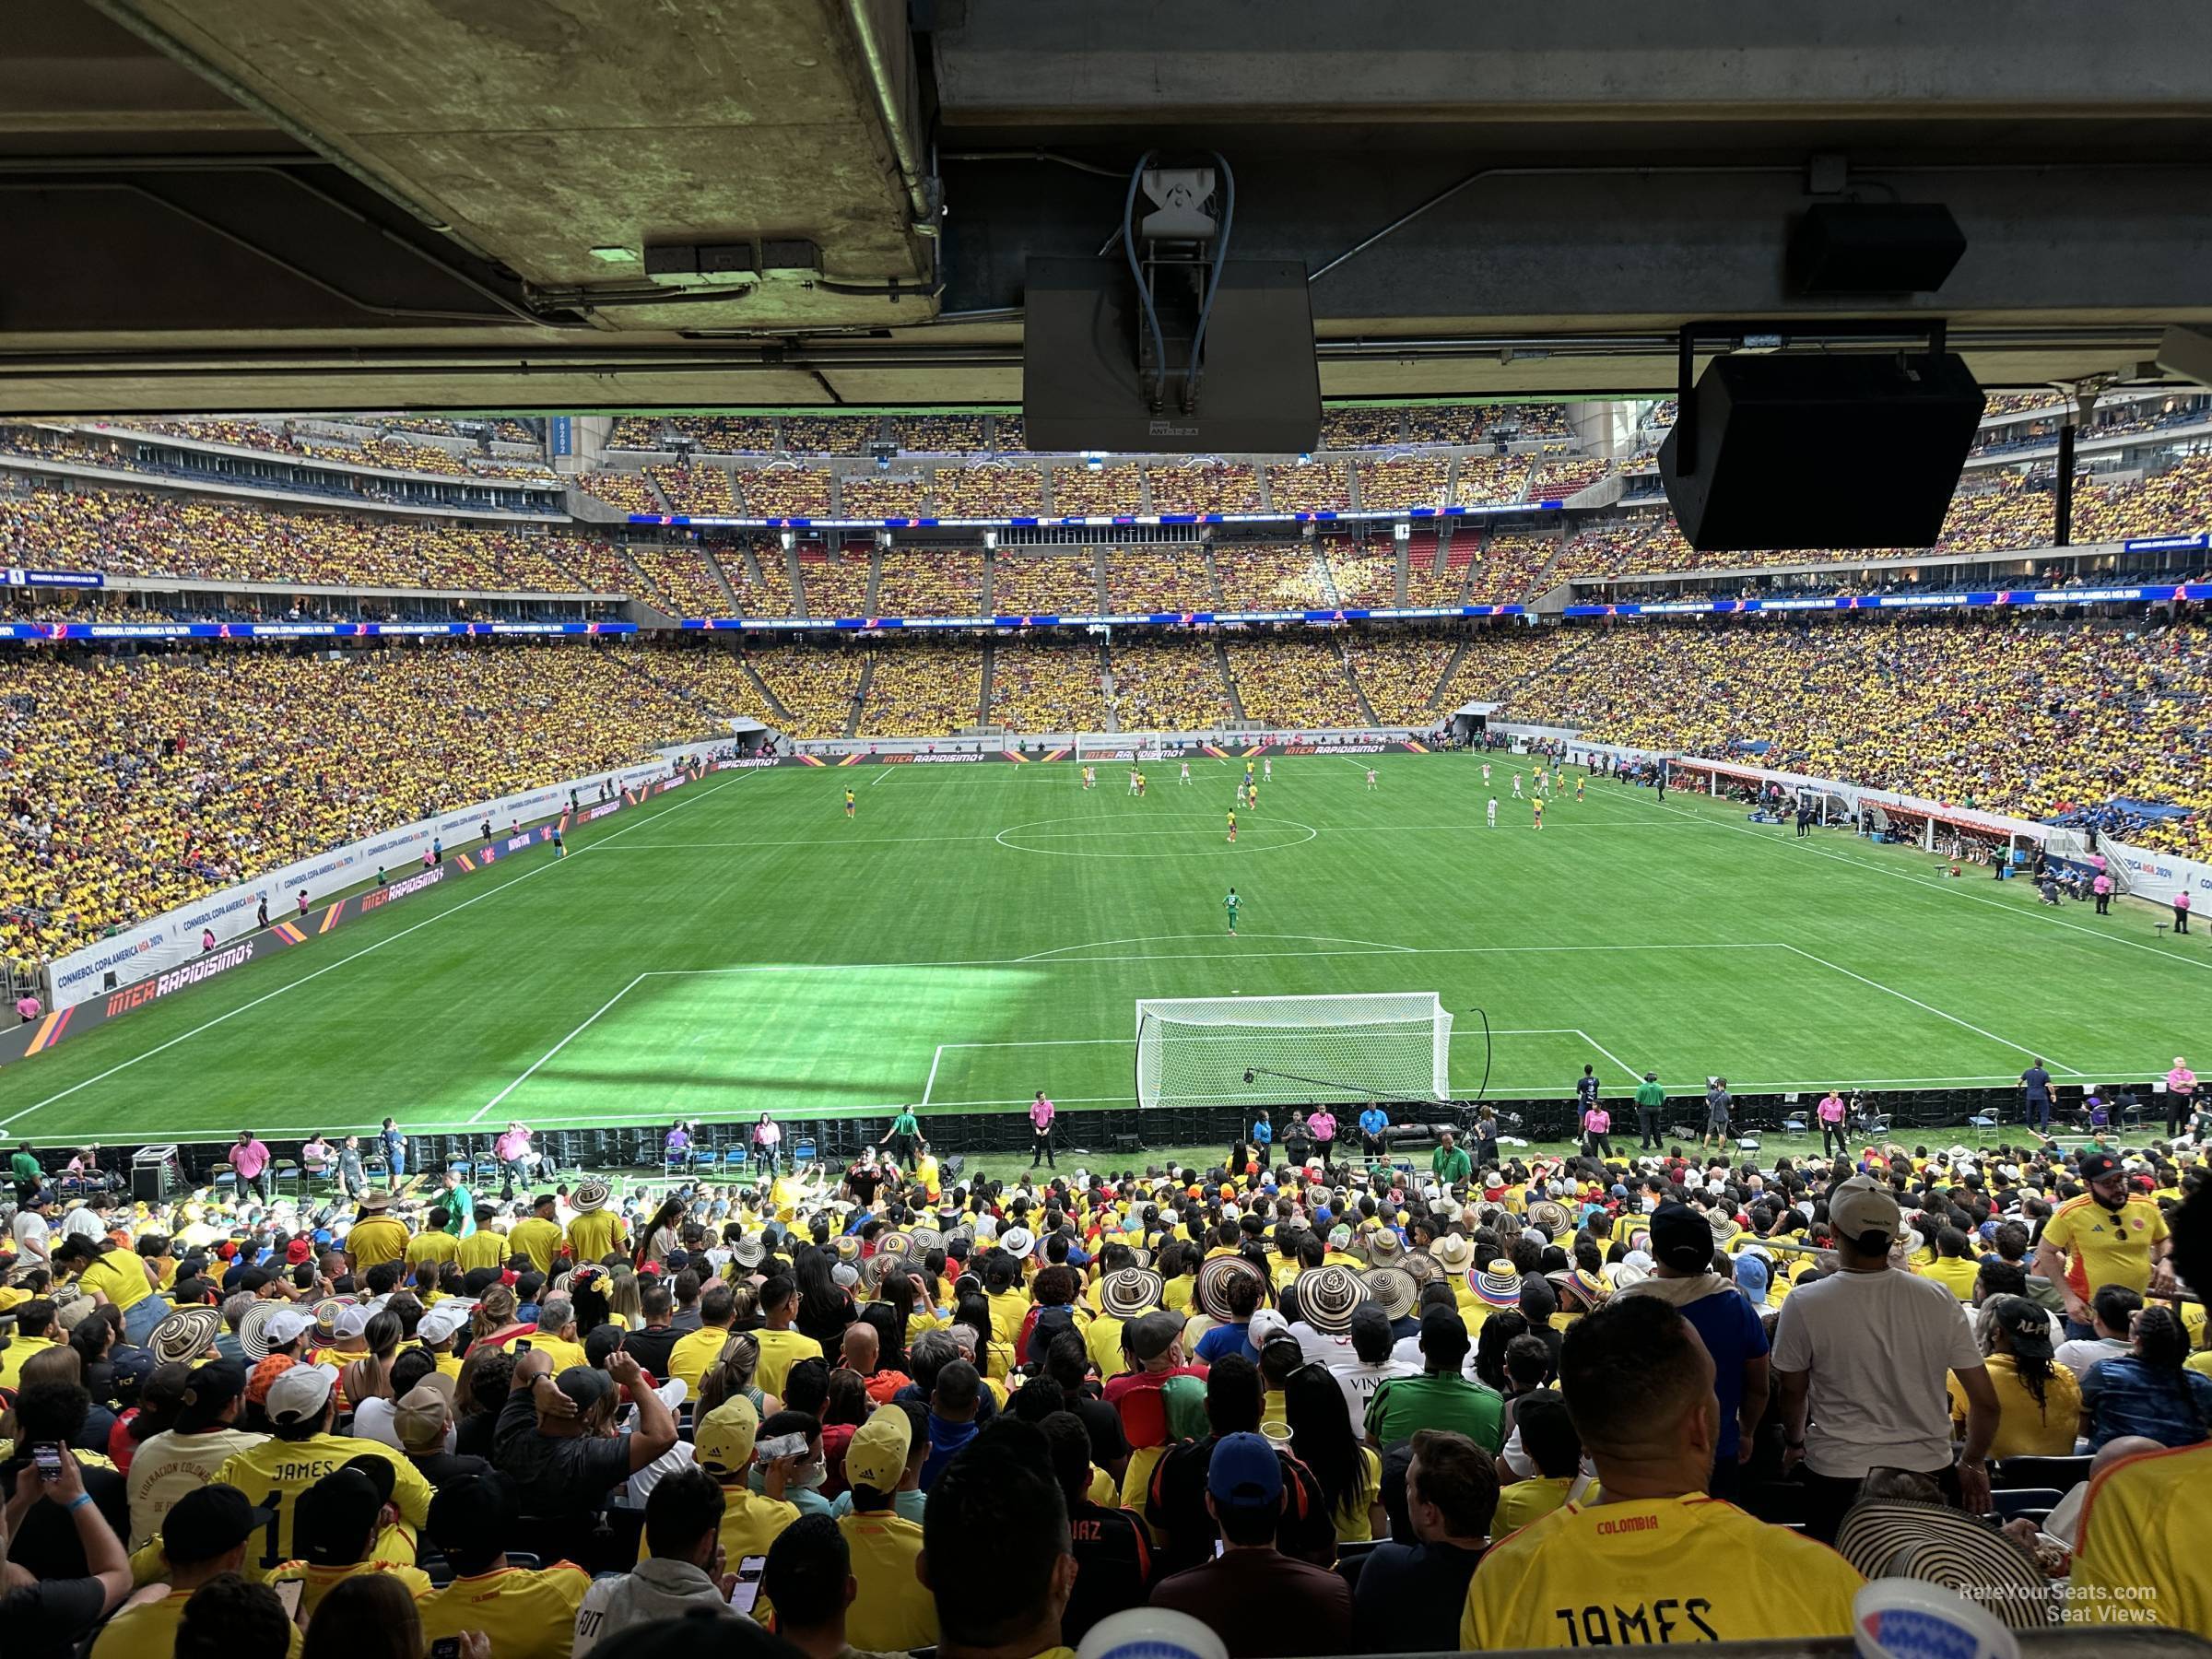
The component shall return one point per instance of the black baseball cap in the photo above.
(207, 1521)
(210, 1387)
(332, 1521)
(2096, 1166)
(1681, 1238)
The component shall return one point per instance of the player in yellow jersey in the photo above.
(1232, 825)
(1578, 789)
(850, 803)
(1141, 780)
(1656, 1559)
(1091, 777)
(1539, 806)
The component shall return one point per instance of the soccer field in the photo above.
(977, 932)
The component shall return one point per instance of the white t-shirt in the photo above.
(30, 1230)
(1879, 1347)
(2082, 1352)
(84, 1222)
(1359, 1380)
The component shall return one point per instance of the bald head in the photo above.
(862, 1347)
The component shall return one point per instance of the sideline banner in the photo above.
(176, 938)
(141, 984)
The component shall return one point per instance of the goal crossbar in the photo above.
(1270, 1051)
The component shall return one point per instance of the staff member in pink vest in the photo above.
(1042, 1114)
(2181, 1097)
(250, 1158)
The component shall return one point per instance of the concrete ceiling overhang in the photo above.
(251, 204)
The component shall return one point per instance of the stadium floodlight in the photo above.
(1293, 1050)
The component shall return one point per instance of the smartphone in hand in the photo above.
(746, 1590)
(46, 1457)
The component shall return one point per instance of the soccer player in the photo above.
(1578, 789)
(1493, 812)
(1371, 777)
(1247, 774)
(1090, 776)
(561, 847)
(1186, 773)
(1252, 796)
(1486, 774)
(1133, 780)
(1232, 825)
(1516, 787)
(1140, 786)
(1267, 768)
(850, 803)
(1230, 903)
(1539, 806)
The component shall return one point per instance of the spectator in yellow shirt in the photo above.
(484, 1248)
(2139, 1551)
(210, 1528)
(1954, 1267)
(1656, 1559)
(524, 1614)
(2038, 1402)
(335, 1524)
(598, 1231)
(539, 1236)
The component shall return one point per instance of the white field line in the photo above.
(1942, 886)
(551, 863)
(1204, 956)
(1038, 956)
(1931, 1007)
(1629, 1071)
(1245, 1036)
(556, 1049)
(932, 1074)
(880, 776)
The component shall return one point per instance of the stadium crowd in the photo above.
(129, 786)
(2032, 718)
(1337, 1406)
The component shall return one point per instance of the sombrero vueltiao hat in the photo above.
(1551, 1216)
(590, 1196)
(1580, 1290)
(185, 1336)
(1896, 1537)
(894, 1244)
(1326, 1296)
(1130, 1293)
(926, 1239)
(1211, 1290)
(1392, 1289)
(325, 1314)
(1141, 1256)
(1420, 1267)
(1384, 1248)
(253, 1329)
(1498, 1285)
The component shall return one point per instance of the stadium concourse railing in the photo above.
(221, 933)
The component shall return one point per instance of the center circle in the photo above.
(1261, 836)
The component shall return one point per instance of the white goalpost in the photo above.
(1273, 1050)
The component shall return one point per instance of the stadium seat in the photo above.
(1795, 1125)
(2064, 1474)
(2009, 1502)
(222, 1176)
(734, 1160)
(1981, 1122)
(805, 1151)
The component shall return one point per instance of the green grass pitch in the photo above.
(979, 932)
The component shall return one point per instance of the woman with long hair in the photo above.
(660, 1235)
(624, 1302)
(732, 1375)
(993, 1358)
(2150, 1391)
(825, 1306)
(2039, 1401)
(1321, 1438)
(493, 1324)
(587, 1296)
(768, 1143)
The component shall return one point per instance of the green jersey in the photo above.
(1229, 904)
(905, 1124)
(1649, 1095)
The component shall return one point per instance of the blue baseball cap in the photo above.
(1245, 1472)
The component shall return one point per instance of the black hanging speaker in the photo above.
(1861, 449)
(1873, 248)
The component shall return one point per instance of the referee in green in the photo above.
(1651, 1100)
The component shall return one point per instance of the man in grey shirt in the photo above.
(1717, 1102)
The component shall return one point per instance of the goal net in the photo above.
(1270, 1051)
(1105, 748)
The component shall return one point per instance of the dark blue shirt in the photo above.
(2037, 1082)
(1729, 1327)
